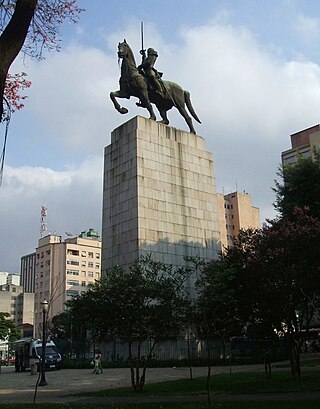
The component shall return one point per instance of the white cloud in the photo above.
(73, 199)
(308, 27)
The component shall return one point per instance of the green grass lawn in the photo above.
(237, 383)
(245, 384)
(305, 363)
(193, 405)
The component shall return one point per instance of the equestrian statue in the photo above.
(145, 83)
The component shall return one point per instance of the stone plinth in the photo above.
(159, 195)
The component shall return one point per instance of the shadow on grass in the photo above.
(238, 383)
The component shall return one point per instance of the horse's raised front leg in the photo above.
(118, 107)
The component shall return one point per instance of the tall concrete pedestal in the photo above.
(159, 196)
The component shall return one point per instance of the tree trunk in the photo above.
(209, 373)
(189, 358)
(12, 39)
(137, 382)
(131, 364)
(143, 376)
(294, 354)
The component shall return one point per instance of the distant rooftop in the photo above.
(90, 234)
(301, 138)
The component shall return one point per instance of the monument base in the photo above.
(159, 196)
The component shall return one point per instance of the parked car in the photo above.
(6, 361)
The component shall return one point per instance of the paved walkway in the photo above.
(20, 387)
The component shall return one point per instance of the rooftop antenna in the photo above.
(43, 220)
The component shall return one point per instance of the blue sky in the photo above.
(253, 71)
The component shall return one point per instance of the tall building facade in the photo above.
(28, 272)
(236, 212)
(64, 269)
(305, 143)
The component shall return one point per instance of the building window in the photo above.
(73, 272)
(73, 252)
(90, 254)
(90, 264)
(97, 265)
(72, 293)
(97, 275)
(73, 283)
(97, 255)
(83, 284)
(83, 263)
(73, 262)
(83, 253)
(90, 273)
(83, 274)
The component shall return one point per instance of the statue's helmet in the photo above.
(152, 51)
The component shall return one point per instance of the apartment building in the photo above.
(64, 269)
(3, 277)
(14, 279)
(18, 304)
(236, 212)
(9, 278)
(304, 142)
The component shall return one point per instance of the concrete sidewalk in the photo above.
(20, 387)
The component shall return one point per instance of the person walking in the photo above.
(99, 357)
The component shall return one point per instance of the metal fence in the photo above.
(173, 349)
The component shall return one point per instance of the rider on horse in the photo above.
(146, 68)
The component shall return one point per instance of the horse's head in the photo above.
(123, 49)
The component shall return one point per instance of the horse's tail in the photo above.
(187, 100)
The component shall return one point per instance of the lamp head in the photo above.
(45, 305)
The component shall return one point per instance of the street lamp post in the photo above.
(45, 306)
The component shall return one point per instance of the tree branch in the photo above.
(12, 39)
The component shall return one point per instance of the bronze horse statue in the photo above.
(133, 83)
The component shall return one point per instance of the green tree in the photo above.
(144, 303)
(8, 330)
(300, 187)
(69, 333)
(216, 314)
(277, 279)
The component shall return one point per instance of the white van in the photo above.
(28, 350)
